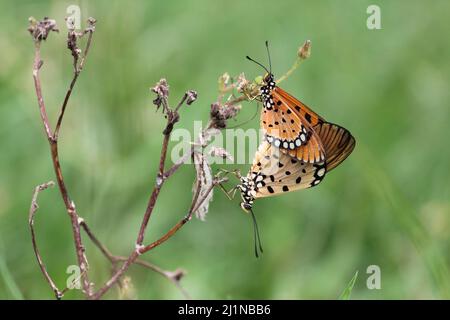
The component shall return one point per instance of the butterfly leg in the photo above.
(224, 173)
(229, 193)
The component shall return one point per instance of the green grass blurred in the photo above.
(387, 205)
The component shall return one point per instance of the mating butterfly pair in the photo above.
(299, 149)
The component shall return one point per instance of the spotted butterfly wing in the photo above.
(288, 124)
(274, 172)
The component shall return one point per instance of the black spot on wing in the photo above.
(308, 117)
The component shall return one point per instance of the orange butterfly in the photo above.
(274, 172)
(287, 122)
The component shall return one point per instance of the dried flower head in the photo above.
(241, 83)
(70, 23)
(162, 92)
(91, 24)
(220, 114)
(223, 81)
(176, 275)
(72, 45)
(305, 50)
(40, 30)
(191, 97)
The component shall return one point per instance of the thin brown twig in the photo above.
(172, 118)
(77, 71)
(155, 193)
(37, 83)
(241, 98)
(174, 276)
(183, 221)
(97, 242)
(33, 209)
(53, 141)
(136, 253)
(181, 102)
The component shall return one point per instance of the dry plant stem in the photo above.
(116, 259)
(37, 84)
(40, 32)
(77, 72)
(97, 242)
(158, 185)
(181, 223)
(53, 141)
(296, 64)
(237, 100)
(135, 254)
(33, 209)
(172, 118)
(168, 275)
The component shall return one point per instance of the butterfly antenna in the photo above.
(259, 64)
(256, 235)
(268, 55)
(246, 121)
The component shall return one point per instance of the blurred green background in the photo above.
(387, 205)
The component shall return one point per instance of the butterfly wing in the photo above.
(297, 106)
(286, 127)
(312, 152)
(337, 141)
(274, 172)
(288, 123)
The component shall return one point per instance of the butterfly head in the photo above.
(268, 79)
(246, 206)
